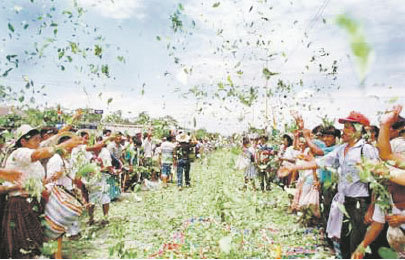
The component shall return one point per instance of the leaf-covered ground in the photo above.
(214, 218)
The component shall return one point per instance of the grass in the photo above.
(212, 219)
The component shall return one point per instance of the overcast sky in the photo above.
(131, 27)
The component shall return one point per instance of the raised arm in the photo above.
(383, 141)
(47, 152)
(316, 150)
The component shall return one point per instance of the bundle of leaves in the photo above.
(368, 170)
(87, 170)
(34, 187)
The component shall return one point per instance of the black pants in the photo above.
(326, 201)
(353, 231)
(265, 179)
(183, 165)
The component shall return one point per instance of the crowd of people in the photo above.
(49, 176)
(347, 182)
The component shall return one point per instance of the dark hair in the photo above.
(400, 123)
(169, 138)
(245, 140)
(27, 137)
(289, 139)
(105, 131)
(331, 130)
(63, 139)
(83, 134)
(264, 137)
(48, 130)
(317, 129)
(99, 138)
(375, 129)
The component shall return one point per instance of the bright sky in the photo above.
(133, 25)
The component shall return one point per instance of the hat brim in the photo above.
(32, 132)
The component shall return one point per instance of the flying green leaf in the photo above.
(359, 46)
(215, 5)
(109, 101)
(105, 70)
(98, 51)
(267, 73)
(121, 59)
(10, 27)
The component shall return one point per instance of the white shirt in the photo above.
(398, 145)
(20, 160)
(105, 156)
(115, 149)
(379, 215)
(147, 148)
(55, 165)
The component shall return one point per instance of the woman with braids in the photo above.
(22, 234)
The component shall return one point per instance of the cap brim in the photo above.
(344, 120)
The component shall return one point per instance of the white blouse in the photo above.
(20, 160)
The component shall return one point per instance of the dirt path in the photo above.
(212, 219)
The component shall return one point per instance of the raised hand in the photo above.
(391, 116)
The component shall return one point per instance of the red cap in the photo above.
(355, 117)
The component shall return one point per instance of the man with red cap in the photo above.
(352, 192)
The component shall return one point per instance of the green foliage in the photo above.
(82, 52)
(359, 46)
(34, 187)
(177, 24)
(387, 253)
(49, 248)
(378, 183)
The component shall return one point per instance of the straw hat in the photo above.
(183, 138)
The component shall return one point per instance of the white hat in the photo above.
(183, 138)
(24, 130)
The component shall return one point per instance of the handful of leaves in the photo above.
(34, 187)
(87, 169)
(378, 183)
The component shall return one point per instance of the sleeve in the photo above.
(106, 157)
(54, 165)
(319, 143)
(289, 153)
(110, 147)
(329, 160)
(378, 215)
(22, 156)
